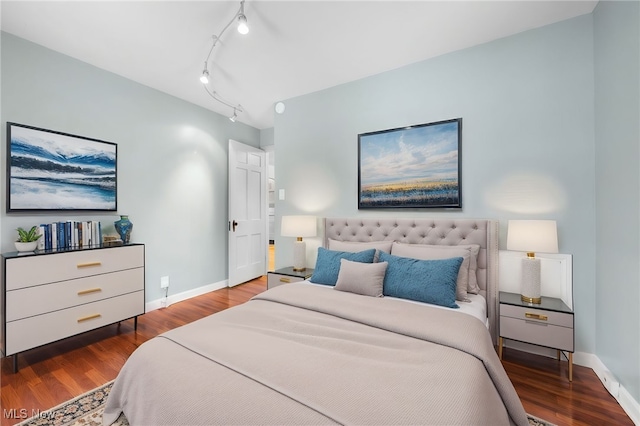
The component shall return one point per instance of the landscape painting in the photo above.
(415, 167)
(48, 170)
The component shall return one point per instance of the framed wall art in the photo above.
(414, 167)
(54, 171)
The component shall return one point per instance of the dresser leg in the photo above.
(135, 323)
(15, 363)
(500, 347)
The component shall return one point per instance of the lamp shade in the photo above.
(298, 226)
(532, 236)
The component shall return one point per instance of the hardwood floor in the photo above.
(50, 375)
(272, 257)
(546, 392)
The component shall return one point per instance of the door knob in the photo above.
(234, 224)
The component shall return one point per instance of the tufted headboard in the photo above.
(431, 231)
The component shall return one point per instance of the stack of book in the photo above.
(70, 235)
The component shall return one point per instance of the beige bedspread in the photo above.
(303, 354)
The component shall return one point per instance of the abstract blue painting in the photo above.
(416, 166)
(48, 170)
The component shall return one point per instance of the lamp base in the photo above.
(530, 289)
(299, 255)
(526, 299)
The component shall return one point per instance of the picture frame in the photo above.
(54, 171)
(411, 167)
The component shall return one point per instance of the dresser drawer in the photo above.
(35, 331)
(37, 300)
(537, 332)
(274, 280)
(537, 315)
(49, 268)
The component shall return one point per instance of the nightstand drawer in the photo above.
(537, 332)
(274, 280)
(537, 315)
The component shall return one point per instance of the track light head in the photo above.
(204, 78)
(234, 116)
(243, 28)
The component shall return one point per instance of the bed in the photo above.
(304, 353)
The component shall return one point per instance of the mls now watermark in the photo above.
(23, 414)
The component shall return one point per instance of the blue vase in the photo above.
(124, 227)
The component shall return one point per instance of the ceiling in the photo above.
(293, 47)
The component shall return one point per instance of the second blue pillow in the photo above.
(428, 281)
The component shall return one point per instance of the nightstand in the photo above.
(549, 324)
(286, 276)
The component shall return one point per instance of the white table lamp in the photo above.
(299, 227)
(532, 236)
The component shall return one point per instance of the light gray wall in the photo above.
(172, 158)
(266, 137)
(617, 137)
(527, 141)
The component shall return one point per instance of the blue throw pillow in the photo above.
(428, 281)
(328, 264)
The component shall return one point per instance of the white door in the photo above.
(247, 213)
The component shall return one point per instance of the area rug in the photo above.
(83, 410)
(86, 410)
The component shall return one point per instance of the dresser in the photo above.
(287, 275)
(49, 296)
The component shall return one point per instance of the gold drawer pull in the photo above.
(536, 316)
(89, 317)
(86, 265)
(89, 291)
(285, 280)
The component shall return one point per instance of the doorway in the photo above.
(271, 205)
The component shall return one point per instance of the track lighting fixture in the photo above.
(243, 28)
(204, 78)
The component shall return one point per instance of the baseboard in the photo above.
(179, 297)
(611, 383)
(584, 359)
(532, 349)
(629, 405)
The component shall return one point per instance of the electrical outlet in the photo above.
(611, 384)
(164, 282)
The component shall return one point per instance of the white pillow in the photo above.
(354, 247)
(429, 252)
(474, 287)
(361, 278)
